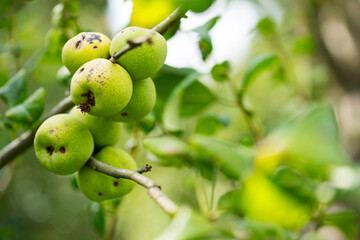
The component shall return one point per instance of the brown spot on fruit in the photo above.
(116, 184)
(51, 131)
(100, 194)
(124, 114)
(50, 150)
(83, 36)
(78, 44)
(81, 70)
(62, 150)
(95, 47)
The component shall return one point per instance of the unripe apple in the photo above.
(83, 48)
(141, 102)
(143, 61)
(105, 132)
(101, 88)
(98, 186)
(63, 144)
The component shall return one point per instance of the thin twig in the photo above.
(247, 115)
(25, 140)
(154, 189)
(131, 44)
(174, 17)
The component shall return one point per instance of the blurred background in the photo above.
(262, 143)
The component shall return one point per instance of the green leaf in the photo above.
(256, 67)
(197, 5)
(204, 29)
(266, 27)
(196, 98)
(345, 221)
(220, 72)
(305, 45)
(165, 81)
(167, 151)
(205, 43)
(14, 91)
(3, 77)
(208, 125)
(171, 111)
(97, 217)
(230, 202)
(232, 159)
(29, 111)
(63, 76)
(148, 123)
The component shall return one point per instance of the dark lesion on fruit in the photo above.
(62, 150)
(95, 47)
(124, 114)
(92, 37)
(50, 150)
(100, 194)
(78, 44)
(116, 184)
(81, 70)
(90, 101)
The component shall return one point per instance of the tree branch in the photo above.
(154, 190)
(25, 140)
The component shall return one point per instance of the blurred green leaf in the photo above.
(97, 217)
(14, 91)
(205, 43)
(347, 221)
(29, 111)
(233, 159)
(256, 67)
(208, 125)
(3, 77)
(204, 29)
(195, 98)
(173, 104)
(63, 76)
(266, 26)
(296, 185)
(197, 5)
(314, 143)
(220, 72)
(34, 60)
(167, 151)
(305, 45)
(165, 81)
(148, 123)
(230, 202)
(6, 233)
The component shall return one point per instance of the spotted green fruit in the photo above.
(83, 48)
(101, 88)
(141, 102)
(98, 186)
(143, 61)
(104, 131)
(63, 144)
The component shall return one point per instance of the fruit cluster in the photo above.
(106, 93)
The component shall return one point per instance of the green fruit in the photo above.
(104, 131)
(101, 88)
(63, 144)
(83, 48)
(141, 102)
(98, 186)
(143, 61)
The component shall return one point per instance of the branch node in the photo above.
(144, 169)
